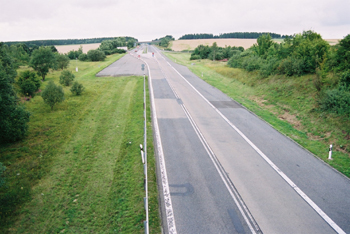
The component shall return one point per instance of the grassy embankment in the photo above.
(287, 103)
(79, 170)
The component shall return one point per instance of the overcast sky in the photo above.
(149, 19)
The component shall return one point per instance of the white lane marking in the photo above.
(284, 176)
(236, 198)
(166, 191)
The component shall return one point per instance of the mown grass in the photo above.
(79, 169)
(289, 104)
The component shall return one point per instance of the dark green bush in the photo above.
(2, 170)
(96, 55)
(251, 63)
(52, 94)
(269, 67)
(29, 83)
(345, 79)
(337, 101)
(77, 88)
(83, 57)
(13, 116)
(291, 66)
(195, 57)
(66, 78)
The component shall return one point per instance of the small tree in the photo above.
(66, 78)
(52, 94)
(77, 88)
(29, 83)
(214, 50)
(42, 60)
(62, 61)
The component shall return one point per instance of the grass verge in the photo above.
(289, 104)
(79, 169)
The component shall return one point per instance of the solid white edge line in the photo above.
(210, 152)
(215, 162)
(284, 176)
(166, 191)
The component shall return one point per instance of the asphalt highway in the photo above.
(221, 169)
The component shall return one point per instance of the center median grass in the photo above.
(289, 104)
(80, 168)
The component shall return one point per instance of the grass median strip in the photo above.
(82, 170)
(288, 104)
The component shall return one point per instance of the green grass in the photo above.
(79, 169)
(289, 104)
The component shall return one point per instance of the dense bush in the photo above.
(29, 83)
(291, 66)
(77, 88)
(214, 52)
(96, 55)
(74, 54)
(299, 55)
(195, 57)
(13, 117)
(52, 94)
(337, 101)
(2, 179)
(66, 78)
(83, 57)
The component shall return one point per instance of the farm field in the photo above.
(79, 170)
(287, 104)
(62, 49)
(180, 45)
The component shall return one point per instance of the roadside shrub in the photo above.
(345, 79)
(66, 78)
(251, 63)
(268, 67)
(77, 88)
(291, 66)
(195, 57)
(52, 94)
(219, 56)
(83, 57)
(337, 101)
(118, 51)
(96, 55)
(235, 60)
(28, 83)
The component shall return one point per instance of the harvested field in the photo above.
(62, 49)
(180, 45)
(332, 41)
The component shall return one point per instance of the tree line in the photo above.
(163, 41)
(65, 41)
(244, 35)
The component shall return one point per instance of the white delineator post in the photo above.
(330, 152)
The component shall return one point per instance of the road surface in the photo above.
(223, 170)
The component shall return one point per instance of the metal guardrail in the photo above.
(144, 153)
